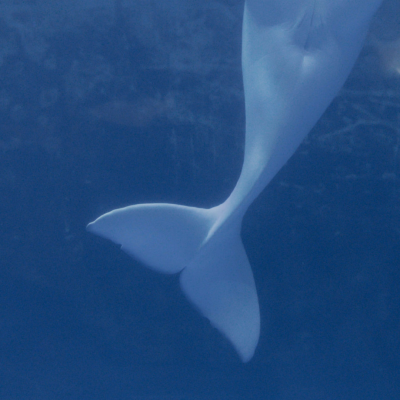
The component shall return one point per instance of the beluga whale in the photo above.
(296, 55)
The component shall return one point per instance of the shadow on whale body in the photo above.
(296, 55)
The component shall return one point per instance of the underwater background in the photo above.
(107, 103)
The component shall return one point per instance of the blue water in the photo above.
(108, 104)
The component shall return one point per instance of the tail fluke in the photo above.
(164, 237)
(220, 283)
(216, 276)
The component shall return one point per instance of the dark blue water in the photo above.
(111, 104)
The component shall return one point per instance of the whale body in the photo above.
(296, 55)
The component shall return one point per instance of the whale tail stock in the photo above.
(215, 273)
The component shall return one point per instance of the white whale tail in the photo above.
(216, 274)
